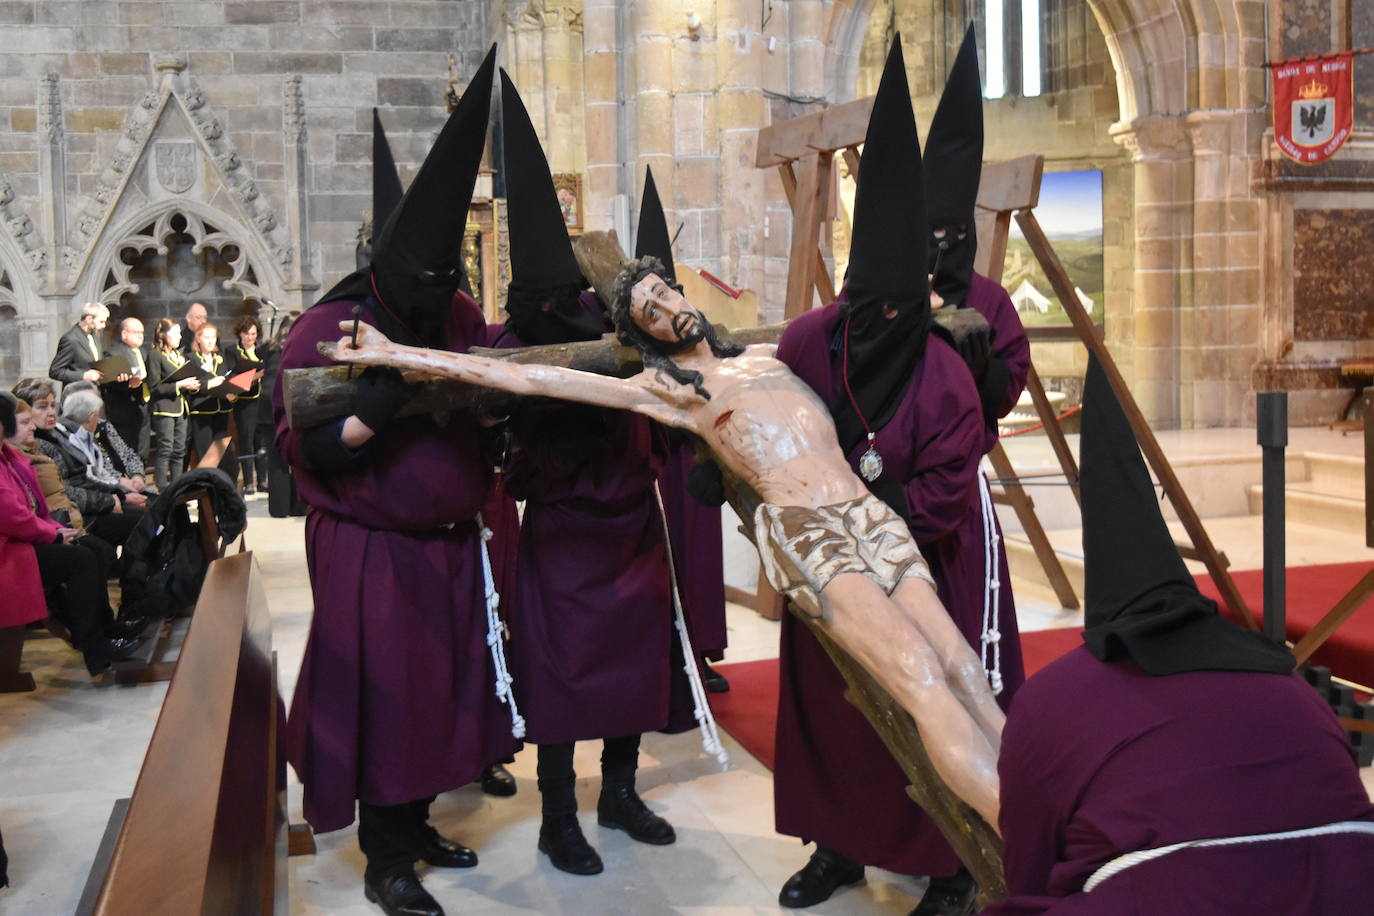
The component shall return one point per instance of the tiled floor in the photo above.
(68, 750)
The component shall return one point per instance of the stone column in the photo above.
(52, 183)
(1162, 159)
(608, 116)
(739, 113)
(299, 276)
(654, 24)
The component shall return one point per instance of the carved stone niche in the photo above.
(194, 251)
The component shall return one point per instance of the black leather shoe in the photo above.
(713, 680)
(952, 896)
(621, 808)
(497, 780)
(402, 894)
(129, 627)
(441, 852)
(561, 839)
(822, 876)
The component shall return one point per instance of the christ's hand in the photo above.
(668, 390)
(366, 349)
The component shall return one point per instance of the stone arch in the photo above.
(208, 227)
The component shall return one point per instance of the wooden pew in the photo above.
(205, 831)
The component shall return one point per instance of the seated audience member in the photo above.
(115, 447)
(1174, 763)
(37, 393)
(111, 509)
(37, 555)
(168, 406)
(61, 509)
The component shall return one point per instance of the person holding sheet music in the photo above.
(208, 426)
(243, 358)
(169, 385)
(78, 350)
(126, 397)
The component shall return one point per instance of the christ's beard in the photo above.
(695, 335)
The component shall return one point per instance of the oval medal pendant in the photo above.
(870, 463)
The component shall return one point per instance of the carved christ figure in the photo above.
(841, 553)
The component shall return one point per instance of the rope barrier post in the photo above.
(1271, 412)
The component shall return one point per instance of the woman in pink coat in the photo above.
(36, 553)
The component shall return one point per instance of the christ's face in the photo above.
(661, 312)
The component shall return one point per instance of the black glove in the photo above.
(705, 484)
(975, 348)
(377, 396)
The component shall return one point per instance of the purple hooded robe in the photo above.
(1100, 759)
(698, 553)
(835, 782)
(1010, 346)
(593, 649)
(395, 700)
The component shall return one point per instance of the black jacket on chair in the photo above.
(73, 356)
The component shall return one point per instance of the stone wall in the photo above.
(73, 74)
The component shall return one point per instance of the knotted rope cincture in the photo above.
(701, 707)
(992, 584)
(497, 634)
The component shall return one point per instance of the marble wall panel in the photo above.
(1333, 274)
(1362, 36)
(1306, 27)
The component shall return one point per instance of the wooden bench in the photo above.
(205, 830)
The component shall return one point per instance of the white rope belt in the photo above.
(497, 634)
(701, 707)
(1121, 863)
(990, 642)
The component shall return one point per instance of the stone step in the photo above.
(1336, 475)
(1308, 506)
(1025, 565)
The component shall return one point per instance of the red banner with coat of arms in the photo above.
(1313, 106)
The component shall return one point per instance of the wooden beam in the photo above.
(1359, 593)
(1016, 497)
(801, 261)
(1149, 445)
(1054, 431)
(828, 130)
(1013, 184)
(825, 287)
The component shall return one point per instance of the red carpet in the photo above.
(749, 711)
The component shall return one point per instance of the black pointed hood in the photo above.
(652, 238)
(386, 190)
(953, 166)
(1140, 601)
(886, 263)
(543, 298)
(416, 254)
(386, 180)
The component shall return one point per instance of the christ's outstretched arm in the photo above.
(660, 399)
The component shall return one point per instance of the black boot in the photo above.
(497, 780)
(621, 808)
(713, 680)
(400, 893)
(561, 839)
(441, 852)
(952, 896)
(827, 871)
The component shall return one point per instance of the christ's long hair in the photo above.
(651, 349)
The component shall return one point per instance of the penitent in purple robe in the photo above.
(698, 554)
(1100, 759)
(395, 700)
(593, 649)
(835, 781)
(1010, 346)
